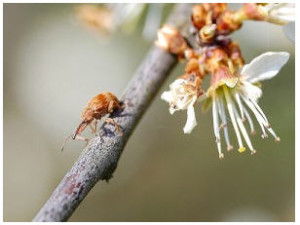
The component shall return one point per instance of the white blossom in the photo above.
(182, 96)
(241, 97)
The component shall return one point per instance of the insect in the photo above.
(98, 107)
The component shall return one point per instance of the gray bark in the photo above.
(99, 159)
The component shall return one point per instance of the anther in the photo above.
(242, 149)
(253, 152)
(277, 139)
(229, 148)
(263, 136)
(253, 132)
(221, 155)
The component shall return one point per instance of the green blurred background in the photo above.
(53, 66)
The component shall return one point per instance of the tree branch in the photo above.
(99, 159)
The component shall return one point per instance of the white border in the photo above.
(144, 1)
(297, 91)
(297, 121)
(1, 137)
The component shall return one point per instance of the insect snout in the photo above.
(79, 129)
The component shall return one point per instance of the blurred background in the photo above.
(53, 65)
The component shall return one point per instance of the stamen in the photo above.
(238, 100)
(261, 112)
(216, 127)
(230, 110)
(277, 139)
(262, 119)
(243, 129)
(258, 116)
(224, 122)
(249, 120)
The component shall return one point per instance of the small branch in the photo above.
(99, 159)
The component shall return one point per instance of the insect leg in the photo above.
(110, 107)
(65, 141)
(112, 121)
(94, 128)
(80, 138)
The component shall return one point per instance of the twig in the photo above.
(99, 159)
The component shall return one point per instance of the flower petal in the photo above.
(191, 118)
(177, 84)
(289, 31)
(281, 13)
(265, 66)
(172, 110)
(251, 91)
(167, 96)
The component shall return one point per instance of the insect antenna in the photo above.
(65, 141)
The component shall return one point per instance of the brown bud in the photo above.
(216, 8)
(170, 39)
(207, 33)
(235, 54)
(189, 53)
(227, 23)
(98, 18)
(198, 16)
(192, 66)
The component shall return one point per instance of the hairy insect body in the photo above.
(98, 107)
